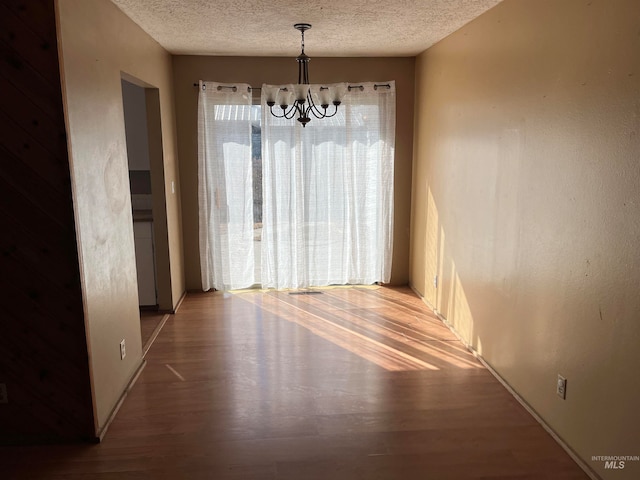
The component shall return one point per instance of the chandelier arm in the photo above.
(333, 114)
(289, 113)
(317, 112)
(310, 99)
(303, 111)
(274, 113)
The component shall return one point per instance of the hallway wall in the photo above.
(526, 205)
(44, 364)
(100, 46)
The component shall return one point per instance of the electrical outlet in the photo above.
(123, 351)
(561, 388)
(4, 398)
(435, 281)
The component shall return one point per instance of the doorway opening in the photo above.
(141, 105)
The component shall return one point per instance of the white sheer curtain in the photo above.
(225, 190)
(328, 193)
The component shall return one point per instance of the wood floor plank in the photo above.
(357, 383)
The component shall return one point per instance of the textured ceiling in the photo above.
(264, 28)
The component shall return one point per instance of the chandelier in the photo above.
(299, 99)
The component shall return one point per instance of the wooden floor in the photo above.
(357, 383)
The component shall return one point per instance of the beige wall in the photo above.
(526, 204)
(98, 45)
(255, 71)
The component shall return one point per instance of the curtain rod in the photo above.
(232, 87)
(351, 87)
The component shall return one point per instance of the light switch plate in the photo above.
(561, 388)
